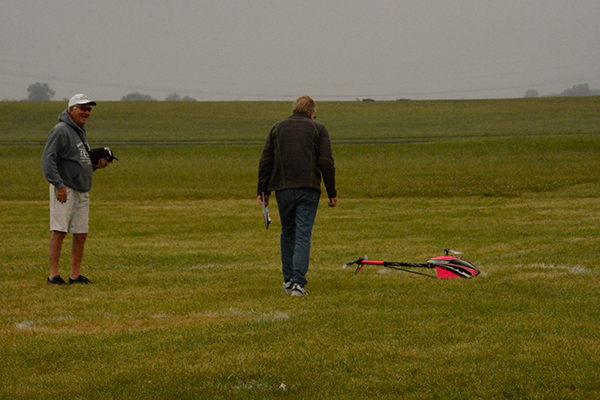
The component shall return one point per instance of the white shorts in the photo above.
(71, 216)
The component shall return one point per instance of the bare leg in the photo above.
(77, 253)
(55, 246)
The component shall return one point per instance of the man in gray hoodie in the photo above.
(67, 166)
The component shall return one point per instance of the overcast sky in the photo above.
(281, 49)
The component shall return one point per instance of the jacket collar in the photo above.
(66, 118)
(300, 116)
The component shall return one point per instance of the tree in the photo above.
(173, 97)
(177, 97)
(531, 93)
(137, 97)
(39, 92)
(577, 91)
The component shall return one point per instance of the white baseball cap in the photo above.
(80, 99)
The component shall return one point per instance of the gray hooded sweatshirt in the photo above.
(66, 161)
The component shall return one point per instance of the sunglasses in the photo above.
(84, 108)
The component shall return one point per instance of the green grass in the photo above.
(402, 121)
(187, 299)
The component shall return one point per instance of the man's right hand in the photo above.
(61, 195)
(266, 200)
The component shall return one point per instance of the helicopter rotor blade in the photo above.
(456, 253)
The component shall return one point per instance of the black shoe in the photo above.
(56, 281)
(79, 279)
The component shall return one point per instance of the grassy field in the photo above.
(187, 299)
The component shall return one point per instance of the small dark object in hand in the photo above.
(102, 152)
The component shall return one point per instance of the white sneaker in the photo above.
(298, 290)
(288, 286)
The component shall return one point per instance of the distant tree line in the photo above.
(582, 90)
(42, 92)
(137, 97)
(177, 97)
(144, 97)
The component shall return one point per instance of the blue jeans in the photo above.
(297, 211)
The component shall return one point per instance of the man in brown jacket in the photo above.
(296, 155)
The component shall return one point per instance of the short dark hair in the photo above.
(304, 105)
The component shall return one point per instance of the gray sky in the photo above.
(279, 50)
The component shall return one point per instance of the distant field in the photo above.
(187, 301)
(347, 121)
(211, 150)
